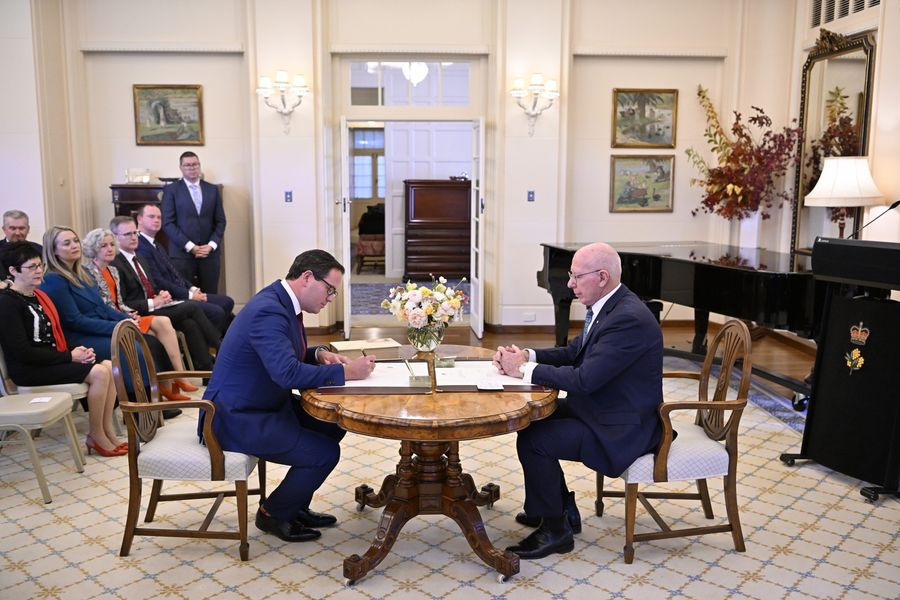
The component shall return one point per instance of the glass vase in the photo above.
(425, 339)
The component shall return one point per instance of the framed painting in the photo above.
(168, 115)
(639, 183)
(644, 118)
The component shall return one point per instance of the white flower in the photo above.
(418, 318)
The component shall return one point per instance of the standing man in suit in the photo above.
(194, 221)
(16, 228)
(217, 307)
(612, 374)
(142, 294)
(264, 357)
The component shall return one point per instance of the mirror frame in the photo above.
(830, 45)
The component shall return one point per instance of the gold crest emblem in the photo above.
(854, 360)
(859, 334)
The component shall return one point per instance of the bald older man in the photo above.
(612, 374)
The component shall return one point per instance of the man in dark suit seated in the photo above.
(141, 293)
(217, 307)
(15, 229)
(263, 358)
(194, 222)
(612, 374)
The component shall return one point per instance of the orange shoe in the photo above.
(184, 386)
(93, 446)
(172, 395)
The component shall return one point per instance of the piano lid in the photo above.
(724, 255)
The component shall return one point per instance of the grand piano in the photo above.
(746, 283)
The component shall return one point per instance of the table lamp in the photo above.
(845, 182)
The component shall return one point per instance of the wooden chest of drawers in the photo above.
(438, 221)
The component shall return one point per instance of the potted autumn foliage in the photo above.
(749, 170)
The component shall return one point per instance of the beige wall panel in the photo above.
(637, 26)
(163, 24)
(224, 157)
(20, 157)
(395, 24)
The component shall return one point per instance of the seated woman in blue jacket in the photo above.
(86, 319)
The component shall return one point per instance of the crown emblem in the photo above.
(859, 334)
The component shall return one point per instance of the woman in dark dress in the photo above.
(37, 353)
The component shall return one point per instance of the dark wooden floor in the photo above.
(770, 351)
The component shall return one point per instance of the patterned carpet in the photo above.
(808, 533)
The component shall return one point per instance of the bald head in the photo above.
(596, 270)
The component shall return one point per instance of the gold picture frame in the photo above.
(641, 183)
(644, 118)
(168, 115)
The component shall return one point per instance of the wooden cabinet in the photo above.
(438, 221)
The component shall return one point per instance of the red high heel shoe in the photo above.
(172, 395)
(184, 386)
(93, 446)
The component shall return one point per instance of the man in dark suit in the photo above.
(194, 221)
(612, 374)
(217, 307)
(263, 358)
(16, 228)
(141, 293)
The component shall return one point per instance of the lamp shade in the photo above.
(845, 181)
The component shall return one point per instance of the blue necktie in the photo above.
(587, 323)
(196, 196)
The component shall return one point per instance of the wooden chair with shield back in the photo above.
(172, 451)
(706, 448)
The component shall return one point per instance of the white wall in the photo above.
(20, 158)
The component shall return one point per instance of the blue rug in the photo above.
(365, 298)
(759, 394)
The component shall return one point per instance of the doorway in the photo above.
(380, 157)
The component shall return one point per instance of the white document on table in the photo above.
(480, 373)
(388, 375)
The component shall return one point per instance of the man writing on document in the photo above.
(263, 358)
(612, 374)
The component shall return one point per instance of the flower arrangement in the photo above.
(421, 306)
(745, 179)
(426, 310)
(840, 138)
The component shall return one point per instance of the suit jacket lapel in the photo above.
(288, 306)
(608, 306)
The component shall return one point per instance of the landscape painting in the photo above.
(641, 183)
(168, 115)
(644, 118)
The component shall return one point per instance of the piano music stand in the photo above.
(853, 421)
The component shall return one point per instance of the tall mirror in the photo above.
(835, 98)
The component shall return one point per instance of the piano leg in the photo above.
(561, 309)
(701, 325)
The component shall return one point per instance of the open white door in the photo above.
(476, 273)
(343, 203)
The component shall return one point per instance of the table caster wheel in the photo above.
(360, 507)
(799, 402)
(349, 582)
(870, 495)
(501, 578)
(788, 460)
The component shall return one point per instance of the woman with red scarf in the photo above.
(37, 353)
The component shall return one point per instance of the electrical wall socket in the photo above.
(531, 195)
(288, 196)
(529, 317)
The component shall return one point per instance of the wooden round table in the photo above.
(429, 478)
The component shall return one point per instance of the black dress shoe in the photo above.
(289, 531)
(171, 413)
(554, 536)
(308, 518)
(571, 512)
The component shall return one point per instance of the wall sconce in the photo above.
(542, 93)
(290, 94)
